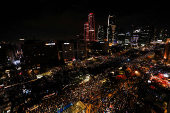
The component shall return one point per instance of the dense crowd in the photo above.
(121, 102)
(83, 93)
(86, 93)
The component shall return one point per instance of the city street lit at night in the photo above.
(84, 57)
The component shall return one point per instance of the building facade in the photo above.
(66, 51)
(86, 32)
(102, 33)
(89, 28)
(81, 50)
(111, 30)
(91, 22)
(120, 36)
(135, 37)
(7, 53)
(146, 33)
(37, 52)
(98, 48)
(128, 38)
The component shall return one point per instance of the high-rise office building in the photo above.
(102, 33)
(135, 36)
(86, 32)
(81, 48)
(163, 35)
(111, 30)
(97, 48)
(37, 52)
(128, 38)
(143, 35)
(66, 50)
(120, 36)
(146, 34)
(89, 28)
(91, 22)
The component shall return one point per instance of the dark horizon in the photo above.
(52, 20)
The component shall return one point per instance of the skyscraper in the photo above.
(89, 28)
(120, 35)
(102, 33)
(86, 32)
(147, 33)
(111, 29)
(135, 36)
(91, 22)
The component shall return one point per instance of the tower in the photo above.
(86, 32)
(146, 34)
(111, 29)
(89, 28)
(91, 23)
(102, 33)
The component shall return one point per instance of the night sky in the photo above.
(49, 19)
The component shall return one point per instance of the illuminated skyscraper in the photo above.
(102, 33)
(91, 22)
(111, 29)
(89, 28)
(86, 32)
(111, 20)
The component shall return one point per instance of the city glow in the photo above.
(91, 76)
(50, 44)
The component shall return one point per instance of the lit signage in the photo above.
(50, 44)
(91, 30)
(136, 31)
(121, 34)
(101, 42)
(66, 43)
(21, 39)
(159, 40)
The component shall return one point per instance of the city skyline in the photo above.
(50, 20)
(121, 63)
